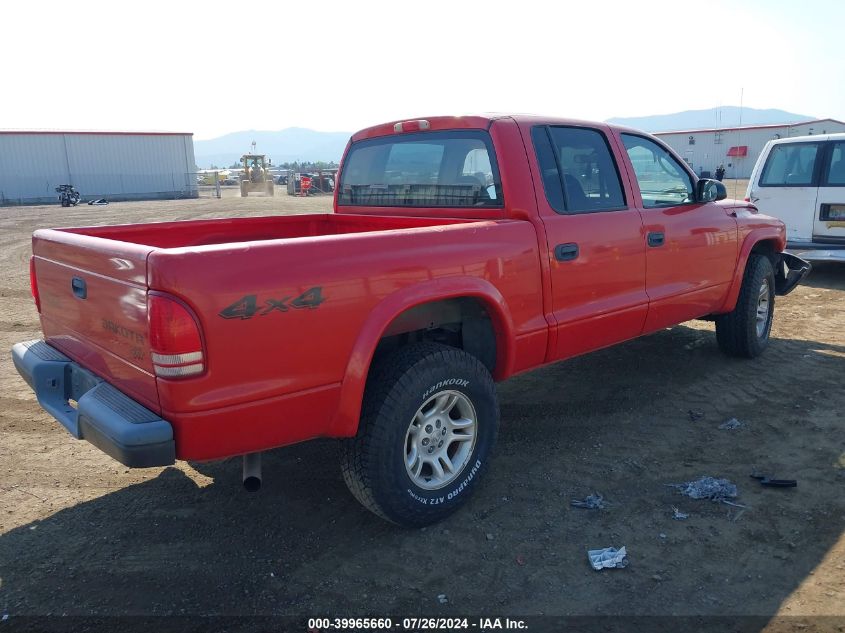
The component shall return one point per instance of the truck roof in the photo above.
(837, 136)
(470, 122)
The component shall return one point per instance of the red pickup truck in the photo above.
(462, 251)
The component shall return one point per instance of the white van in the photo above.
(801, 180)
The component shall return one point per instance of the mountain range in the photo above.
(726, 116)
(300, 144)
(283, 146)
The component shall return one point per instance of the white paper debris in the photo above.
(609, 558)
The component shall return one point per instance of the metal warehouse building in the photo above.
(111, 165)
(737, 148)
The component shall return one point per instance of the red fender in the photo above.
(755, 236)
(345, 422)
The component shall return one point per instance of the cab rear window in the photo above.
(430, 169)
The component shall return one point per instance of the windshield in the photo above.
(431, 169)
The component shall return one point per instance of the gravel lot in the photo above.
(80, 534)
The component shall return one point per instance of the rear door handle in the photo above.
(80, 288)
(656, 239)
(566, 252)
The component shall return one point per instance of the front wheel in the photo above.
(745, 331)
(429, 421)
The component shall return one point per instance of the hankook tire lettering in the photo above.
(456, 382)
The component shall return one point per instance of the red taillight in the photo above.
(747, 199)
(175, 341)
(33, 284)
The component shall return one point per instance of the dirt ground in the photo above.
(82, 535)
(736, 187)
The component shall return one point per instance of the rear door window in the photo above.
(836, 171)
(456, 168)
(790, 165)
(578, 170)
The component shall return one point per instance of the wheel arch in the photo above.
(769, 241)
(410, 307)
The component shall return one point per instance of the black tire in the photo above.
(400, 384)
(736, 332)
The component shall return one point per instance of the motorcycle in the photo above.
(68, 196)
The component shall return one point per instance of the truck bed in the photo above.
(107, 329)
(240, 278)
(231, 230)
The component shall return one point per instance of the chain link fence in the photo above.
(203, 184)
(320, 182)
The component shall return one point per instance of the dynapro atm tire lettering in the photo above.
(248, 306)
(466, 481)
(434, 501)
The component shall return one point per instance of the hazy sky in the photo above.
(211, 68)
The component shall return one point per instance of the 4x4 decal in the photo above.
(247, 307)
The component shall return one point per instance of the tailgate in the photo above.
(93, 295)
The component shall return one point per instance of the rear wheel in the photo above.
(428, 424)
(745, 331)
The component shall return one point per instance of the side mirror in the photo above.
(707, 190)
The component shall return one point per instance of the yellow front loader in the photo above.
(256, 175)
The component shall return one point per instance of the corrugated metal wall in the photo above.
(115, 166)
(706, 154)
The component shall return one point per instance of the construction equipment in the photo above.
(256, 175)
(68, 195)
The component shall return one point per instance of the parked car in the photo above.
(462, 251)
(801, 180)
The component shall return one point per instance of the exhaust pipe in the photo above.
(252, 472)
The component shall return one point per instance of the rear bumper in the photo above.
(104, 416)
(817, 251)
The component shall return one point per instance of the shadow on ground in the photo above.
(830, 275)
